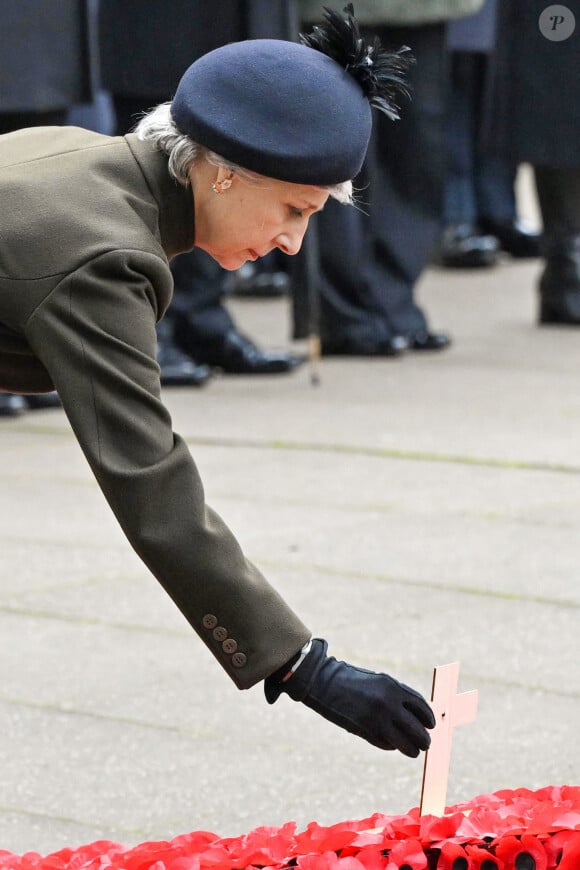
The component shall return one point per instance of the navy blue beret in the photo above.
(278, 108)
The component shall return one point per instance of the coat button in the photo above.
(229, 646)
(220, 633)
(209, 621)
(239, 660)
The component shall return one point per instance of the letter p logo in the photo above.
(557, 23)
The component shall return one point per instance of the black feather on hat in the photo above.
(379, 72)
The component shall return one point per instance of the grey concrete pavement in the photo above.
(413, 511)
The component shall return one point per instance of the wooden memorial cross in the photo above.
(450, 710)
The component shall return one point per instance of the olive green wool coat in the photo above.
(88, 224)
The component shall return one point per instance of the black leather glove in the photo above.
(371, 705)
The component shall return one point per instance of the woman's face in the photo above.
(248, 219)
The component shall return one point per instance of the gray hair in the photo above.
(157, 126)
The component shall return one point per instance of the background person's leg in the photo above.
(559, 285)
(372, 255)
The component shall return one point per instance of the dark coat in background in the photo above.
(533, 114)
(44, 55)
(146, 46)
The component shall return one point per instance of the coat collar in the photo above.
(175, 202)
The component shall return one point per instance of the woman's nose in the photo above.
(290, 242)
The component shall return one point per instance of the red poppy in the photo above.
(571, 853)
(453, 857)
(372, 859)
(482, 859)
(263, 846)
(325, 861)
(407, 855)
(321, 839)
(509, 849)
(554, 846)
(372, 837)
(435, 829)
(481, 822)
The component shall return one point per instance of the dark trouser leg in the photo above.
(559, 198)
(463, 244)
(495, 179)
(407, 193)
(478, 184)
(352, 306)
(460, 205)
(371, 258)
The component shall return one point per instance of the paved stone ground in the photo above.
(413, 511)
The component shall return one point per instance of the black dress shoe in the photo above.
(429, 341)
(514, 237)
(178, 370)
(559, 284)
(39, 401)
(235, 354)
(464, 246)
(11, 405)
(394, 346)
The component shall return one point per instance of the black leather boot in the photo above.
(559, 284)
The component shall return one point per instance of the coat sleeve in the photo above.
(95, 334)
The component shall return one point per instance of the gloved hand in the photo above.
(371, 705)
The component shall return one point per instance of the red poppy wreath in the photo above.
(508, 830)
